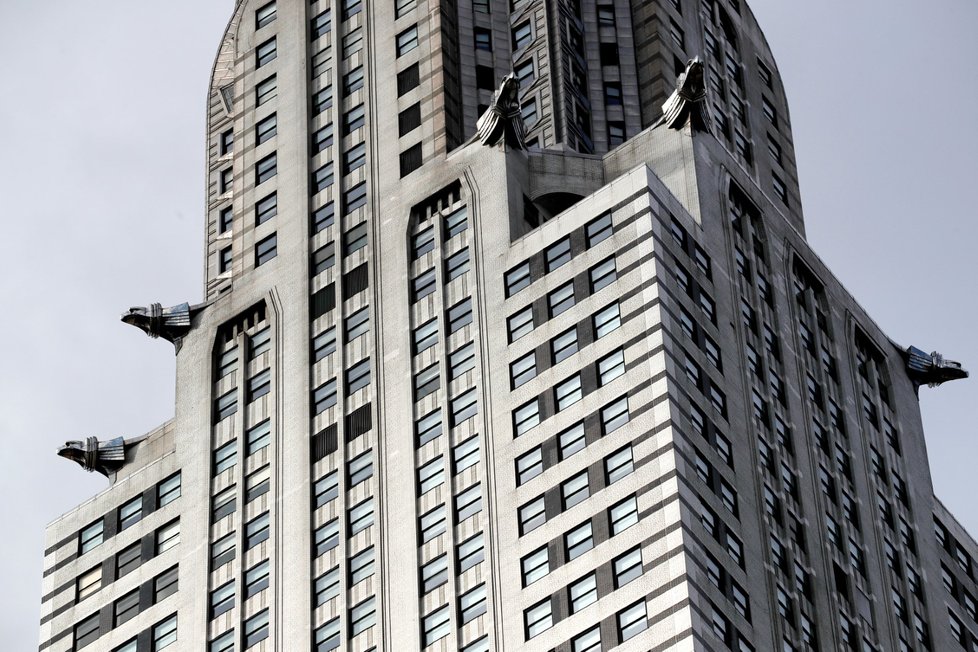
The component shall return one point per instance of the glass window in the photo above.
(327, 537)
(324, 397)
(352, 42)
(88, 583)
(321, 24)
(90, 537)
(532, 515)
(130, 513)
(603, 274)
(353, 119)
(611, 366)
(424, 241)
(165, 633)
(266, 249)
(535, 566)
(468, 503)
(436, 625)
(583, 592)
(360, 468)
(564, 345)
(456, 265)
(523, 369)
(472, 604)
(558, 254)
(529, 465)
(428, 427)
(461, 360)
(627, 567)
(256, 579)
(86, 631)
(561, 299)
(328, 636)
(470, 552)
(520, 323)
(255, 629)
(222, 551)
(361, 516)
(222, 599)
(456, 222)
(623, 515)
(362, 616)
(266, 90)
(128, 559)
(526, 417)
(265, 129)
(425, 336)
(483, 39)
(466, 454)
(464, 407)
(538, 618)
(574, 490)
(223, 504)
(599, 229)
(589, 641)
(266, 52)
(618, 465)
(361, 566)
(459, 315)
(327, 586)
(426, 381)
(264, 15)
(517, 279)
(257, 483)
(614, 415)
(407, 40)
(434, 573)
(522, 35)
(631, 621)
(357, 376)
(572, 440)
(326, 489)
(568, 392)
(256, 531)
(167, 536)
(259, 385)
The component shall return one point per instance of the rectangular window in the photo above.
(456, 265)
(361, 516)
(574, 490)
(266, 90)
(222, 551)
(529, 113)
(409, 78)
(352, 42)
(532, 515)
(353, 119)
(328, 636)
(434, 574)
(266, 52)
(130, 513)
(328, 587)
(589, 641)
(361, 566)
(428, 427)
(456, 222)
(572, 440)
(472, 604)
(603, 274)
(407, 40)
(266, 249)
(321, 24)
(165, 584)
(623, 515)
(520, 323)
(564, 345)
(409, 119)
(255, 629)
(266, 129)
(256, 531)
(468, 503)
(423, 285)
(517, 279)
(529, 465)
(424, 241)
(611, 366)
(535, 566)
(614, 415)
(226, 260)
(322, 100)
(583, 592)
(266, 208)
(327, 537)
(359, 469)
(558, 254)
(354, 158)
(465, 454)
(618, 465)
(627, 567)
(259, 385)
(167, 536)
(257, 483)
(90, 537)
(431, 475)
(631, 621)
(86, 631)
(538, 618)
(599, 229)
(322, 259)
(461, 360)
(470, 552)
(165, 633)
(523, 370)
(525, 73)
(223, 504)
(88, 583)
(357, 376)
(522, 35)
(322, 178)
(222, 599)
(432, 523)
(561, 299)
(355, 238)
(463, 407)
(353, 80)
(436, 626)
(324, 397)
(326, 489)
(225, 220)
(526, 417)
(264, 15)
(426, 382)
(483, 39)
(356, 324)
(568, 392)
(128, 559)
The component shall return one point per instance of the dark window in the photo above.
(266, 52)
(225, 261)
(408, 79)
(264, 15)
(609, 54)
(407, 40)
(266, 129)
(353, 80)
(354, 158)
(321, 24)
(266, 208)
(409, 119)
(266, 168)
(355, 197)
(266, 90)
(322, 100)
(266, 249)
(485, 78)
(411, 159)
(227, 141)
(483, 39)
(522, 35)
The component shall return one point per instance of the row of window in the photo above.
(130, 513)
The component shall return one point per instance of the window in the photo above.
(461, 360)
(361, 516)
(322, 178)
(598, 230)
(327, 586)
(257, 483)
(564, 345)
(361, 566)
(266, 249)
(522, 35)
(529, 465)
(266, 90)
(90, 537)
(409, 78)
(472, 604)
(167, 536)
(428, 427)
(423, 285)
(769, 111)
(227, 142)
(88, 583)
(616, 131)
(575, 490)
(222, 599)
(128, 559)
(165, 633)
(130, 513)
(529, 112)
(456, 265)
(265, 129)
(411, 159)
(324, 397)
(328, 636)
(456, 222)
(266, 208)
(589, 641)
(538, 618)
(259, 385)
(86, 631)
(426, 382)
(434, 573)
(523, 369)
(432, 523)
(354, 158)
(468, 503)
(520, 323)
(583, 592)
(165, 584)
(225, 221)
(517, 279)
(535, 566)
(614, 415)
(558, 254)
(611, 366)
(623, 515)
(226, 260)
(353, 80)
(436, 626)
(532, 515)
(464, 407)
(631, 621)
(322, 259)
(357, 376)
(353, 119)
(603, 274)
(466, 454)
(321, 25)
(359, 469)
(627, 567)
(780, 189)
(222, 551)
(256, 579)
(255, 629)
(264, 15)
(256, 531)
(561, 299)
(327, 537)
(526, 417)
(226, 456)
(407, 40)
(483, 39)
(352, 42)
(226, 179)
(326, 489)
(612, 94)
(260, 342)
(266, 52)
(572, 440)
(568, 392)
(409, 119)
(355, 238)
(618, 465)
(224, 503)
(130, 646)
(470, 552)
(356, 324)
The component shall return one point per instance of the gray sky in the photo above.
(102, 200)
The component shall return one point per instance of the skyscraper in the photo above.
(637, 411)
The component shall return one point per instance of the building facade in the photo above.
(594, 394)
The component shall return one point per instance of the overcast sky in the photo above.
(102, 204)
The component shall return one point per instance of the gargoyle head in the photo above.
(145, 319)
(692, 82)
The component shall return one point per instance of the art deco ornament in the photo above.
(688, 104)
(156, 321)
(94, 455)
(503, 119)
(931, 369)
